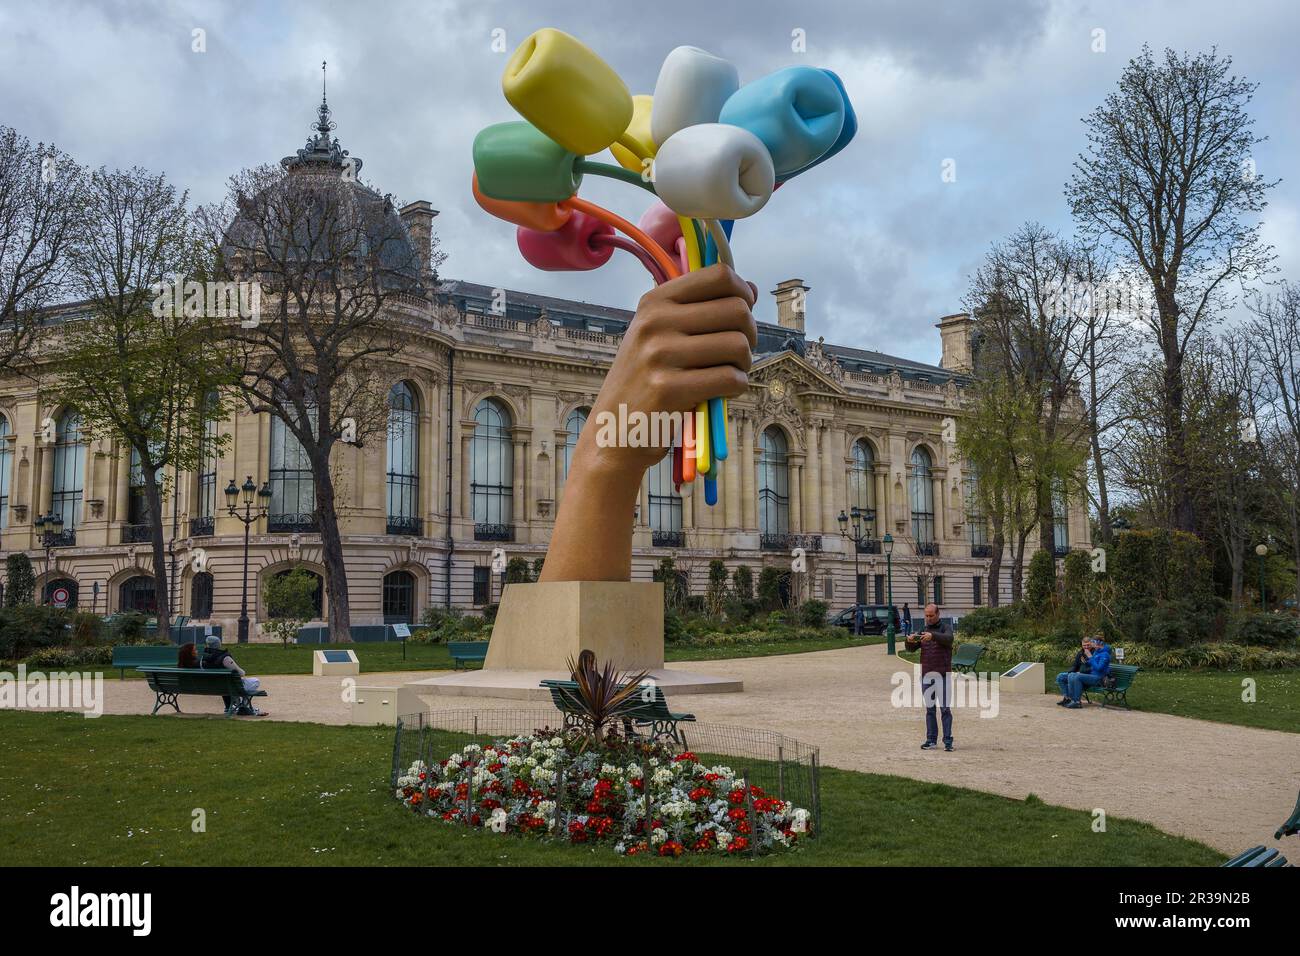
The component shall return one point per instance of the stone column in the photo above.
(812, 507)
(795, 464)
(829, 505)
(748, 492)
(461, 506)
(519, 485)
(940, 511)
(732, 474)
(880, 475)
(45, 494)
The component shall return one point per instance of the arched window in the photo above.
(6, 466)
(202, 523)
(138, 594)
(399, 597)
(293, 489)
(1060, 518)
(773, 486)
(922, 493)
(201, 596)
(977, 522)
(55, 588)
(573, 423)
(403, 461)
(862, 482)
(492, 472)
(665, 506)
(69, 470)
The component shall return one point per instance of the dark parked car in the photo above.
(874, 618)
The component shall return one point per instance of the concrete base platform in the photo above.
(523, 685)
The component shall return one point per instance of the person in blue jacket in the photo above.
(1096, 665)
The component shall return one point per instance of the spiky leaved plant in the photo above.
(603, 692)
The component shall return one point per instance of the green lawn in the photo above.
(1203, 694)
(378, 657)
(124, 791)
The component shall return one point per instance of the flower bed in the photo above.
(547, 786)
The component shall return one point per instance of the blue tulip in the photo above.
(847, 131)
(798, 113)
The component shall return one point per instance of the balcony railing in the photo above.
(494, 532)
(403, 524)
(788, 542)
(135, 533)
(930, 548)
(668, 539)
(869, 546)
(291, 523)
(1060, 551)
(66, 538)
(203, 527)
(981, 550)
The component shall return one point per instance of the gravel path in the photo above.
(1225, 785)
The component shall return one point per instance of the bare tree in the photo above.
(1276, 327)
(337, 271)
(40, 213)
(1169, 181)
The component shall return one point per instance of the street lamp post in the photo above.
(1262, 551)
(50, 528)
(857, 536)
(249, 517)
(887, 545)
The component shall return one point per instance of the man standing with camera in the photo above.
(935, 642)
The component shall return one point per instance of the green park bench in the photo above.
(1123, 674)
(464, 651)
(168, 683)
(966, 657)
(1267, 856)
(144, 655)
(643, 712)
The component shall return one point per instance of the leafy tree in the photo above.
(769, 589)
(143, 371)
(290, 603)
(1040, 589)
(20, 586)
(517, 571)
(716, 596)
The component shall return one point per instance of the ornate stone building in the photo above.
(485, 413)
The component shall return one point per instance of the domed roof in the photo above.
(323, 201)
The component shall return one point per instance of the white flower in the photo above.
(659, 835)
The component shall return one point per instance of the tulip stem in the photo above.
(614, 172)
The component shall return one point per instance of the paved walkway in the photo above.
(1225, 785)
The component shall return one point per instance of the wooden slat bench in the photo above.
(168, 683)
(646, 711)
(464, 651)
(1123, 674)
(139, 656)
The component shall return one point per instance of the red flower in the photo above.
(684, 755)
(737, 844)
(671, 848)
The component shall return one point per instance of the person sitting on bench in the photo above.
(1092, 671)
(188, 657)
(215, 656)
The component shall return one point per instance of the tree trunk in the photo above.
(1018, 567)
(995, 568)
(1183, 517)
(336, 578)
(162, 591)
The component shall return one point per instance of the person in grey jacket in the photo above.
(935, 641)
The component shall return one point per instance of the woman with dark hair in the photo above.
(189, 657)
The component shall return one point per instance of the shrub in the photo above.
(989, 620)
(742, 580)
(20, 583)
(1040, 588)
(674, 628)
(1264, 630)
(86, 629)
(490, 613)
(769, 589)
(517, 571)
(27, 628)
(52, 658)
(813, 613)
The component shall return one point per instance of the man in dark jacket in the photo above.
(935, 642)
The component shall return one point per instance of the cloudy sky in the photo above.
(998, 88)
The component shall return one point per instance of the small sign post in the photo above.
(402, 631)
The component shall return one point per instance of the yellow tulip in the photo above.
(563, 88)
(635, 145)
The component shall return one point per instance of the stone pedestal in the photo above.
(1025, 678)
(540, 626)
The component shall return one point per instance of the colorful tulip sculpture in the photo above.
(712, 151)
